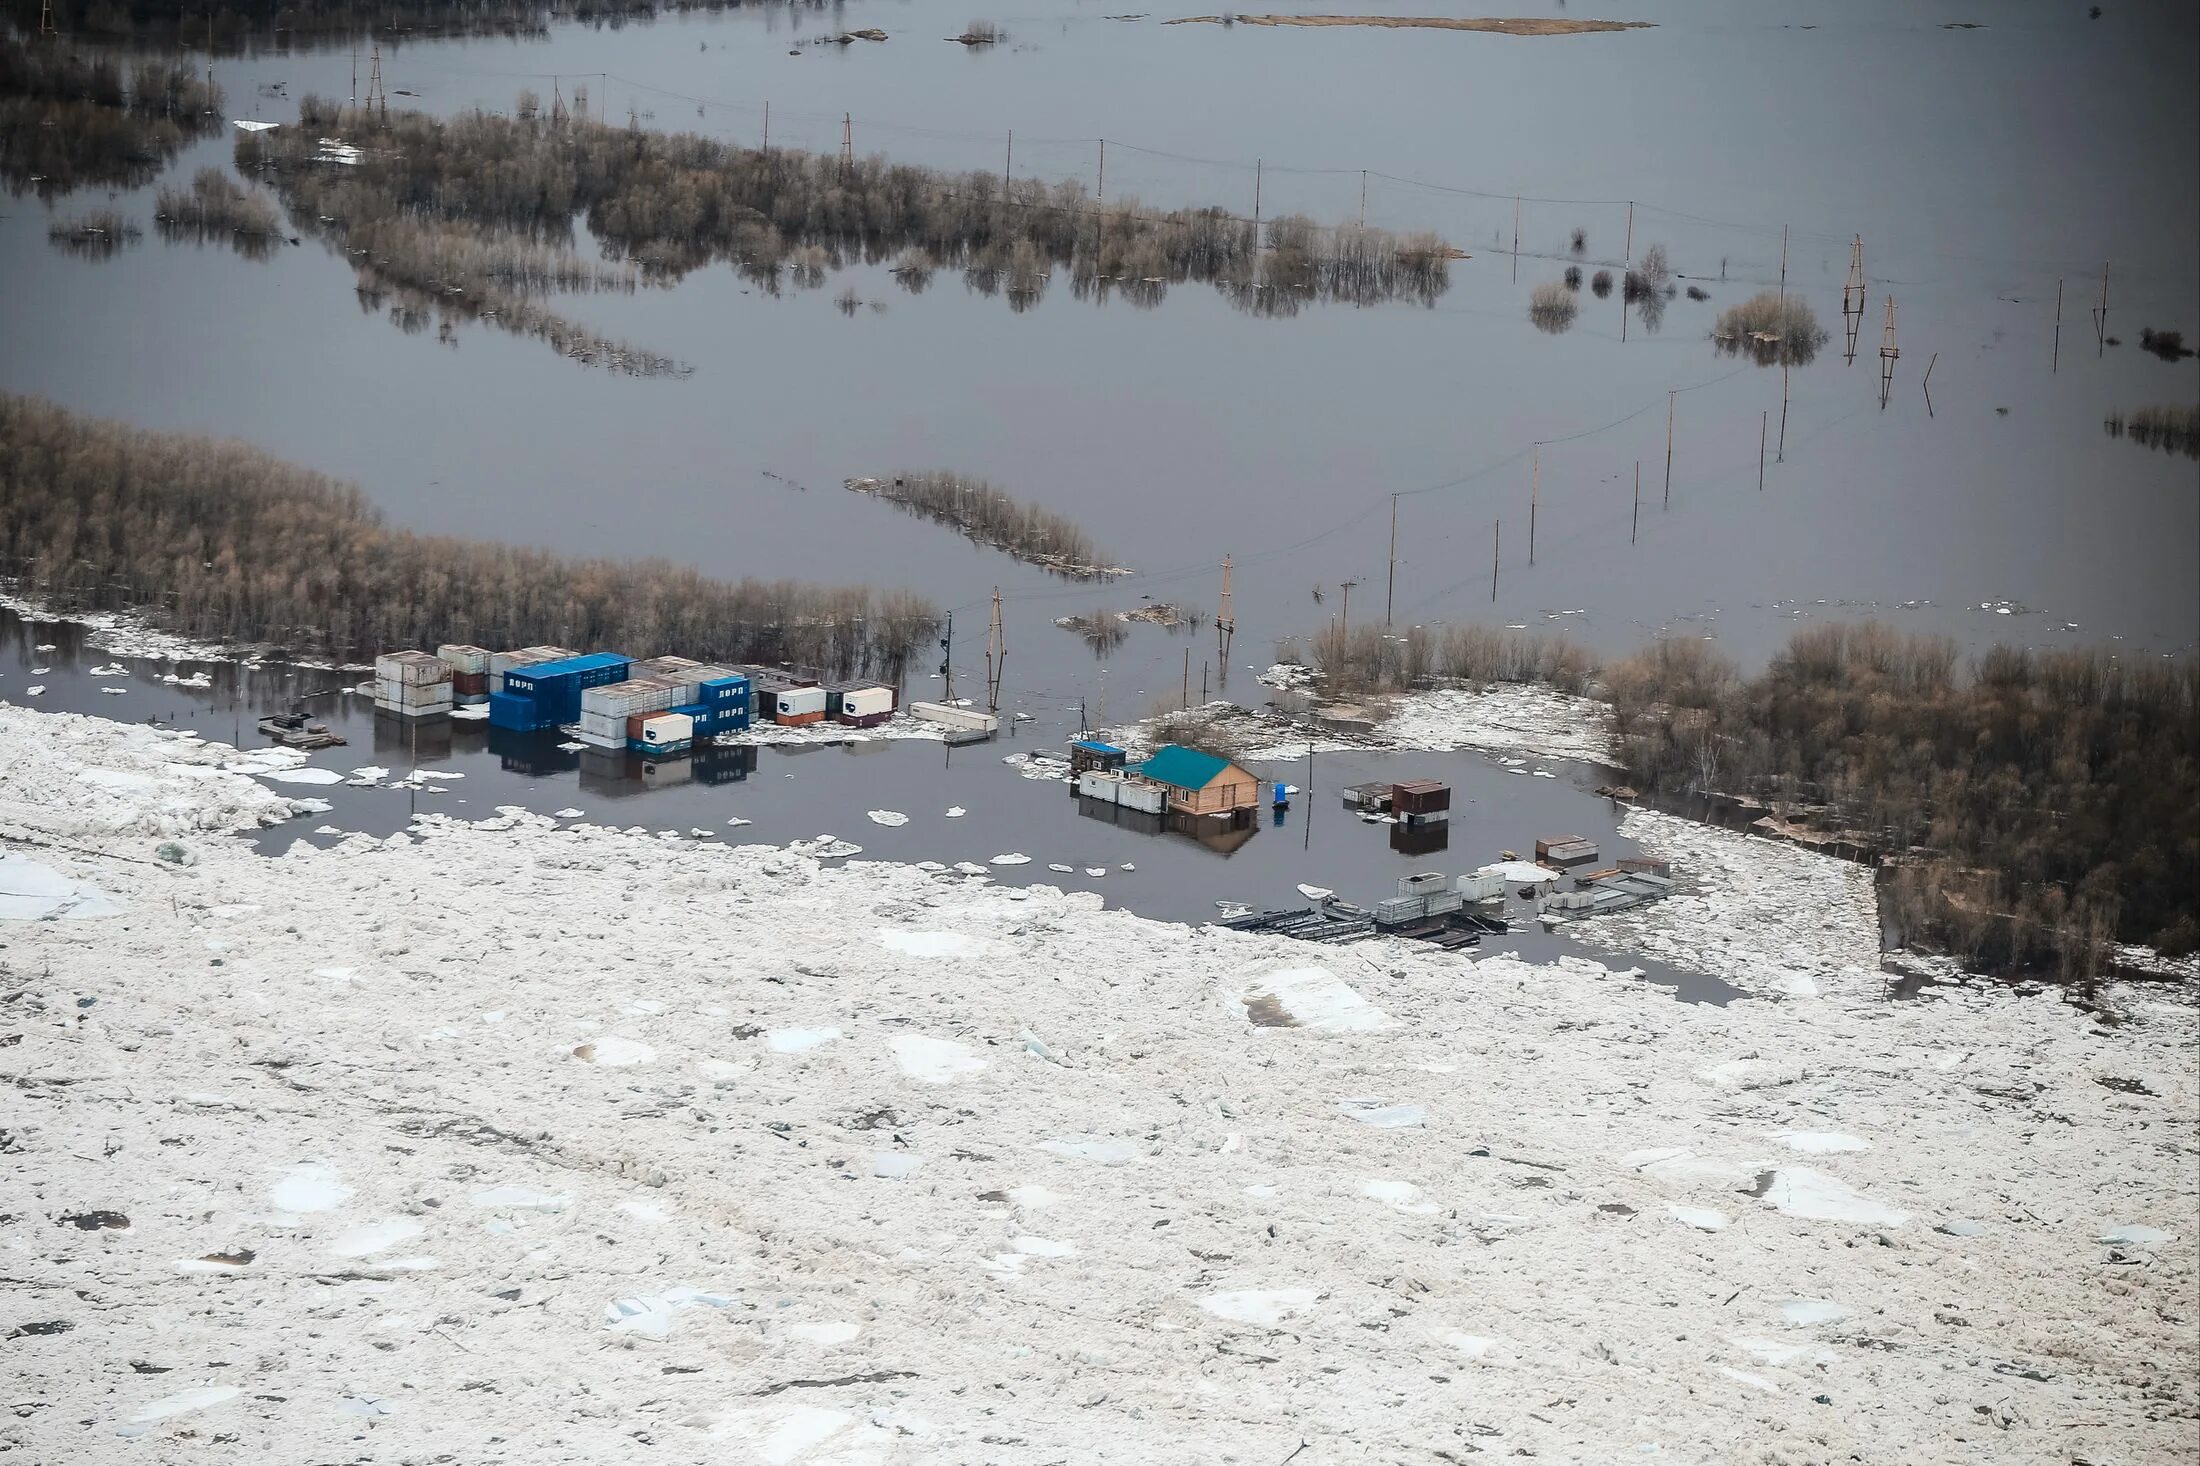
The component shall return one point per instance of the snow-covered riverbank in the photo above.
(505, 1142)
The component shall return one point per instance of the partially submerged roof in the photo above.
(1183, 768)
(1094, 745)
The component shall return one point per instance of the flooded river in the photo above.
(1997, 509)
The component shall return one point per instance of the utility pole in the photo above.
(847, 142)
(1888, 353)
(1535, 492)
(1634, 527)
(1225, 624)
(1390, 582)
(1497, 527)
(947, 658)
(1102, 191)
(1668, 448)
(1783, 454)
(355, 82)
(45, 19)
(996, 657)
(2100, 315)
(2054, 362)
(1008, 161)
(1927, 383)
(1363, 198)
(767, 129)
(1783, 270)
(1627, 267)
(1345, 626)
(1516, 242)
(1256, 205)
(1186, 700)
(1852, 295)
(1763, 420)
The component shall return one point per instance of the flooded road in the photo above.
(1997, 510)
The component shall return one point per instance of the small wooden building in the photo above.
(1201, 783)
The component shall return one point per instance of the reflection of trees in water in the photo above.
(99, 235)
(1551, 306)
(1770, 331)
(216, 209)
(71, 117)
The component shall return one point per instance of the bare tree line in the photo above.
(2025, 804)
(70, 118)
(255, 26)
(221, 542)
(216, 210)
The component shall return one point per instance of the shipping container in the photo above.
(1399, 910)
(1420, 797)
(865, 707)
(1098, 784)
(1480, 887)
(604, 710)
(1420, 883)
(730, 699)
(531, 656)
(799, 705)
(1565, 851)
(1144, 797)
(416, 668)
(464, 658)
(1442, 902)
(954, 717)
(514, 714)
(660, 734)
(1646, 864)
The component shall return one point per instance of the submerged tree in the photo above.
(1769, 330)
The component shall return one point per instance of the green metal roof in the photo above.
(1181, 767)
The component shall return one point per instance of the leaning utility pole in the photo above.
(1390, 582)
(996, 657)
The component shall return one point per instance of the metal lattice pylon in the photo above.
(1852, 296)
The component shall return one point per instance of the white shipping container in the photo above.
(603, 740)
(1140, 795)
(414, 667)
(464, 658)
(954, 717)
(866, 702)
(529, 656)
(1096, 785)
(623, 699)
(796, 702)
(668, 728)
(411, 692)
(1480, 888)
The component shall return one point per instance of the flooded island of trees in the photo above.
(988, 516)
(473, 218)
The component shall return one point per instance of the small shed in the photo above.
(1090, 756)
(1201, 783)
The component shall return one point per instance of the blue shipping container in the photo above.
(556, 687)
(720, 691)
(659, 750)
(515, 713)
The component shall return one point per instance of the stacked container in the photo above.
(548, 694)
(604, 710)
(797, 706)
(469, 672)
(725, 703)
(412, 684)
(503, 662)
(863, 707)
(657, 735)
